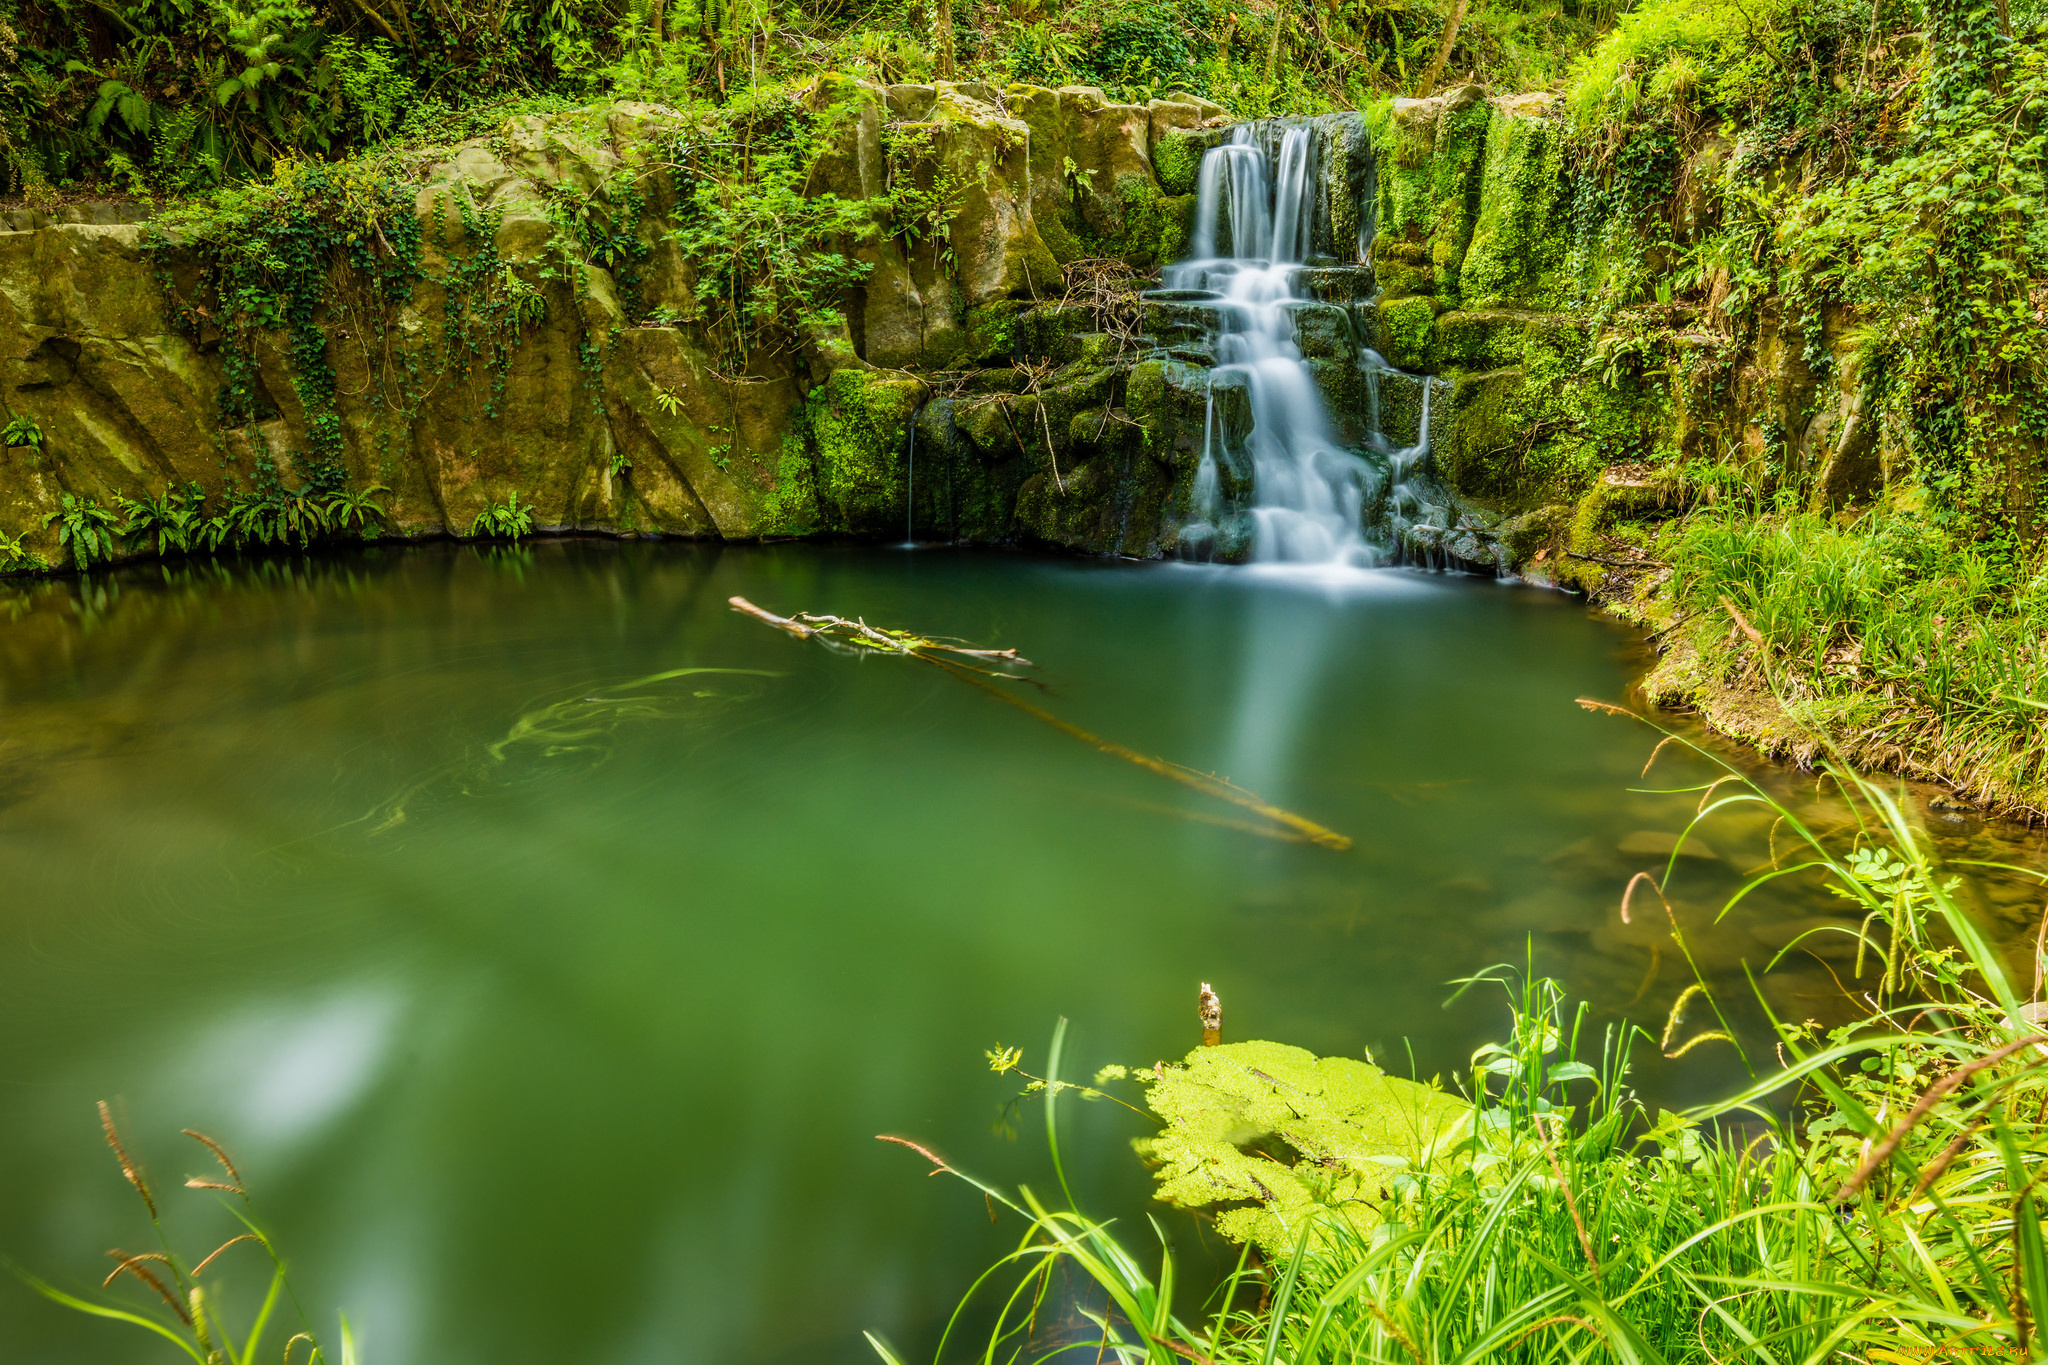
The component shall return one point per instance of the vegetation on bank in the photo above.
(1794, 261)
(180, 1308)
(1872, 1195)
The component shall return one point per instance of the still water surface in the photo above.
(551, 1013)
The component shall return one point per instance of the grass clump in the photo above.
(1899, 638)
(1870, 1195)
(179, 1307)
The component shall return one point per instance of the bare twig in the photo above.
(1571, 1203)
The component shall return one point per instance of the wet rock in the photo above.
(1342, 285)
(1323, 332)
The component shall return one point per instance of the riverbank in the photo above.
(1872, 641)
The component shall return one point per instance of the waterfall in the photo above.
(1312, 496)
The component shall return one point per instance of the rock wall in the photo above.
(1452, 240)
(615, 412)
(1563, 416)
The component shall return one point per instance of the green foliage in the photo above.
(1565, 1221)
(176, 1306)
(21, 432)
(505, 520)
(176, 96)
(15, 558)
(922, 195)
(373, 85)
(85, 530)
(1889, 626)
(174, 521)
(167, 523)
(269, 254)
(773, 260)
(1344, 1127)
(355, 510)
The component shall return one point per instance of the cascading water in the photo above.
(1312, 497)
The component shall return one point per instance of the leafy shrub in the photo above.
(85, 529)
(21, 431)
(505, 520)
(772, 262)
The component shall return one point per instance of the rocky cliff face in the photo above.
(1487, 251)
(610, 405)
(993, 380)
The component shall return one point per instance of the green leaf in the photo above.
(1236, 1111)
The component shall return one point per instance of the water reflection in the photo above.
(585, 1060)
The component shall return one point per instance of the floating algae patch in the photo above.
(588, 726)
(578, 732)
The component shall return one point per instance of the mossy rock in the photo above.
(1431, 154)
(1322, 331)
(1507, 443)
(1530, 532)
(1177, 158)
(1518, 251)
(1269, 1135)
(1407, 332)
(1495, 338)
(861, 430)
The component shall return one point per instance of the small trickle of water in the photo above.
(910, 490)
(1311, 493)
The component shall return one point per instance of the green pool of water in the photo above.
(551, 1013)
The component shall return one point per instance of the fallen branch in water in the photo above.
(804, 625)
(837, 629)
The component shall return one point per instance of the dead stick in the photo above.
(1315, 833)
(884, 640)
(796, 628)
(1308, 829)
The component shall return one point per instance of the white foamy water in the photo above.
(1311, 492)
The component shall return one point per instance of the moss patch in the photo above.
(861, 430)
(1518, 250)
(1408, 332)
(1177, 159)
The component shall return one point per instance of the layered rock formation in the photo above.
(972, 392)
(616, 409)
(1487, 250)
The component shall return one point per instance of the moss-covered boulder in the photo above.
(860, 422)
(1430, 155)
(1093, 189)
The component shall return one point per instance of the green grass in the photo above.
(1898, 635)
(181, 1310)
(1870, 1196)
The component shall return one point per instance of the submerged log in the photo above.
(838, 630)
